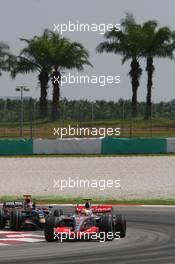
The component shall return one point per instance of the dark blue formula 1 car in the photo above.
(22, 215)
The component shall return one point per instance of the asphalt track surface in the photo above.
(150, 239)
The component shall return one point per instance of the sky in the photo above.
(24, 19)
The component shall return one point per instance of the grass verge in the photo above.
(74, 200)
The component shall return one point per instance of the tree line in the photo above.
(50, 53)
(82, 110)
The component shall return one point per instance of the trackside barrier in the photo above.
(133, 145)
(16, 147)
(87, 146)
(67, 146)
(170, 145)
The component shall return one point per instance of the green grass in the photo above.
(161, 127)
(158, 122)
(140, 122)
(75, 200)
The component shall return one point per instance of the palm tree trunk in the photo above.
(56, 77)
(150, 71)
(43, 78)
(135, 74)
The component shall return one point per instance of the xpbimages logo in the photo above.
(101, 80)
(77, 182)
(86, 131)
(101, 236)
(100, 28)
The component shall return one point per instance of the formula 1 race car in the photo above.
(88, 222)
(22, 215)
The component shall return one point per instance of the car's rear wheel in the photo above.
(49, 228)
(106, 226)
(57, 212)
(2, 219)
(120, 226)
(15, 220)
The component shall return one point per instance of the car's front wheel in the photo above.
(2, 219)
(106, 226)
(49, 228)
(120, 226)
(15, 220)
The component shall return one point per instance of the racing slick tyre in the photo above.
(2, 219)
(58, 212)
(120, 226)
(15, 220)
(61, 212)
(106, 226)
(49, 228)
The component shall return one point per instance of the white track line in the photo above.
(122, 205)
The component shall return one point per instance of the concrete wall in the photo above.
(170, 145)
(67, 146)
(87, 146)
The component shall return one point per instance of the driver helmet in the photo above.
(87, 205)
(87, 208)
(28, 202)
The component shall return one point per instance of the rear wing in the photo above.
(17, 204)
(95, 208)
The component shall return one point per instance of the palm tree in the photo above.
(127, 42)
(6, 58)
(65, 55)
(35, 57)
(49, 54)
(158, 42)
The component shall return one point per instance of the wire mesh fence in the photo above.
(28, 121)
